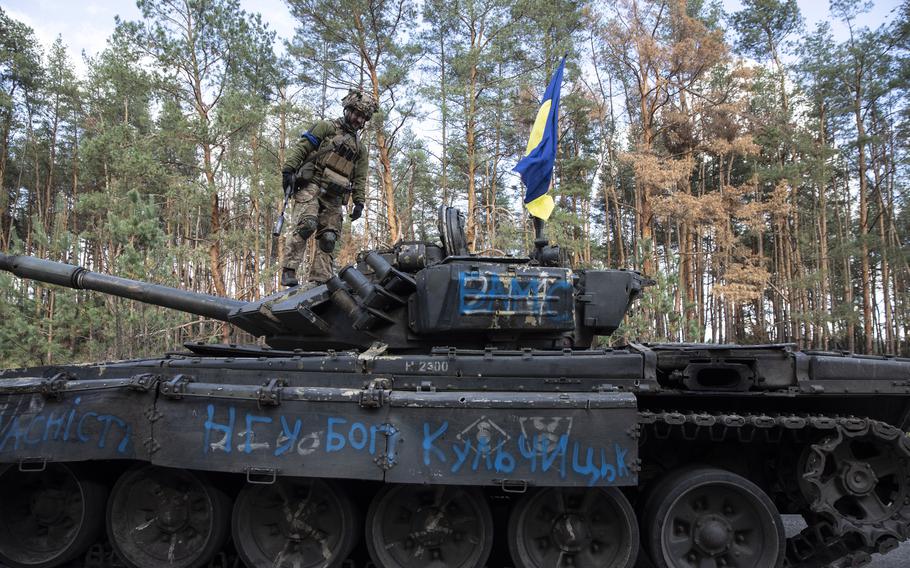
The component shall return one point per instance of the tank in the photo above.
(429, 408)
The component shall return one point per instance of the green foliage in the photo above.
(658, 301)
(763, 25)
(162, 162)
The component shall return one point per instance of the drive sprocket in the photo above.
(857, 478)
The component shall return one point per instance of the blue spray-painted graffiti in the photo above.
(544, 447)
(72, 424)
(535, 453)
(337, 434)
(487, 294)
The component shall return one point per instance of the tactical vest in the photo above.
(337, 164)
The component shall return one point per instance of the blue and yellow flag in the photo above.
(536, 168)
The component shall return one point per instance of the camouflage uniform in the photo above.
(331, 153)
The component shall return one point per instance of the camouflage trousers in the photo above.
(311, 202)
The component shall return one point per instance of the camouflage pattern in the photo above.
(324, 131)
(312, 201)
(360, 101)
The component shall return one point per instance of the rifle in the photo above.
(288, 193)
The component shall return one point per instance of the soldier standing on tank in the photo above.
(326, 164)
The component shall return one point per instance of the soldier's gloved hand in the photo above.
(357, 212)
(287, 178)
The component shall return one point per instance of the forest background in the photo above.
(755, 167)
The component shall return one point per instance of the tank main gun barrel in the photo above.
(62, 274)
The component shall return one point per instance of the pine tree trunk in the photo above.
(6, 219)
(471, 153)
(843, 218)
(215, 262)
(385, 161)
(826, 302)
(444, 111)
(864, 222)
(879, 157)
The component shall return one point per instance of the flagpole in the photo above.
(540, 239)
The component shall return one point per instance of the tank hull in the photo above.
(509, 428)
(279, 417)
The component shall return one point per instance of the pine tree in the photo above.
(206, 48)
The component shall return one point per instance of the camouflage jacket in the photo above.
(316, 138)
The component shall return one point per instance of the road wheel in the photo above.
(166, 517)
(295, 523)
(707, 518)
(48, 517)
(436, 526)
(580, 527)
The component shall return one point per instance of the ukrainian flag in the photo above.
(536, 168)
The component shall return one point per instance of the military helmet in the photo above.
(360, 101)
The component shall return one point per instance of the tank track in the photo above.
(831, 539)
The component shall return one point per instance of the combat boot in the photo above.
(288, 277)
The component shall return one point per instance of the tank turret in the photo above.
(412, 297)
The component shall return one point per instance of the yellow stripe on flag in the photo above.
(542, 206)
(540, 124)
